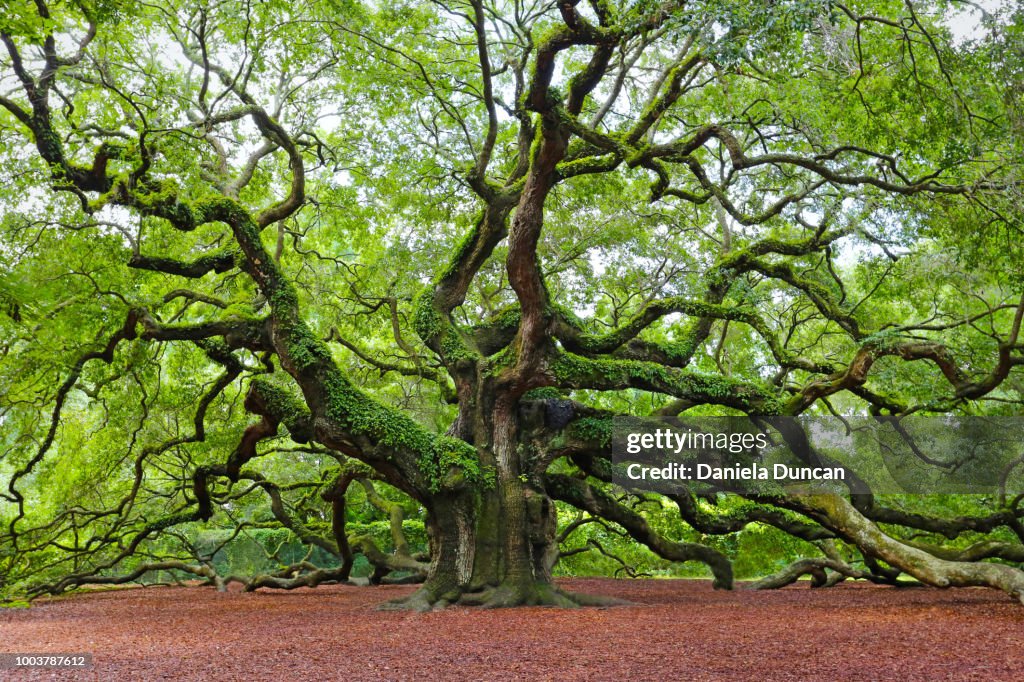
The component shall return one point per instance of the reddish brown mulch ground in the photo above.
(678, 630)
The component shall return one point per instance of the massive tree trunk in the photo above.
(489, 548)
(494, 544)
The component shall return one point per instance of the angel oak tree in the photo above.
(443, 244)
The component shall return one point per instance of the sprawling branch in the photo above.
(599, 503)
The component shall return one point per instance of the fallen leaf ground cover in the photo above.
(675, 630)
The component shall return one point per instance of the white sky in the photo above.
(966, 24)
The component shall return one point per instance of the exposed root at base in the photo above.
(506, 595)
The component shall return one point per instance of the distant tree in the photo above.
(443, 244)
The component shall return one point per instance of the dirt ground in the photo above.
(677, 630)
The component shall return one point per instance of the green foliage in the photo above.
(593, 429)
(795, 243)
(451, 461)
(257, 551)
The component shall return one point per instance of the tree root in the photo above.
(506, 595)
(421, 601)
